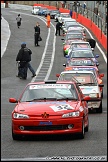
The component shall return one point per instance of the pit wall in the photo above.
(84, 21)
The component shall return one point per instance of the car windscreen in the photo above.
(74, 31)
(75, 26)
(81, 54)
(65, 15)
(80, 77)
(81, 45)
(49, 92)
(70, 24)
(73, 36)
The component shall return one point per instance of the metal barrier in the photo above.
(99, 21)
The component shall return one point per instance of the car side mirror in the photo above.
(64, 65)
(101, 85)
(13, 100)
(96, 56)
(57, 75)
(67, 56)
(97, 63)
(86, 98)
(101, 75)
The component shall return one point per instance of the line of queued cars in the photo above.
(43, 11)
(61, 106)
(82, 64)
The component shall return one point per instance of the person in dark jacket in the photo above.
(24, 58)
(37, 34)
(58, 28)
(91, 41)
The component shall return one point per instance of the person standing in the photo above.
(23, 57)
(84, 5)
(58, 28)
(48, 20)
(29, 65)
(18, 18)
(71, 13)
(37, 34)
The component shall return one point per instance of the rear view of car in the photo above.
(42, 11)
(88, 84)
(53, 13)
(35, 10)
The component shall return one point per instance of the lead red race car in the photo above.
(50, 107)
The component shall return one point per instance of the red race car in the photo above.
(86, 64)
(50, 107)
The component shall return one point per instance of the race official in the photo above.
(37, 34)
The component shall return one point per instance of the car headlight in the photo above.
(19, 116)
(71, 114)
(94, 95)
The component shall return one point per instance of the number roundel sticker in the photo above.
(62, 107)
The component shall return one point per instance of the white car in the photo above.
(88, 84)
(62, 16)
(35, 10)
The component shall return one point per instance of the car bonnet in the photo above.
(52, 107)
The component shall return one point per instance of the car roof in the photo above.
(73, 59)
(74, 34)
(77, 71)
(51, 82)
(80, 41)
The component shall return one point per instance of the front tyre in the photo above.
(87, 127)
(82, 134)
(15, 136)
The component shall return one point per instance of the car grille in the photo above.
(46, 127)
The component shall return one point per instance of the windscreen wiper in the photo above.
(67, 98)
(43, 98)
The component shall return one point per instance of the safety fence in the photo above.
(99, 20)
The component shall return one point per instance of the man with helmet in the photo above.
(24, 58)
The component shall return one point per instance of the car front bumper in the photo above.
(38, 127)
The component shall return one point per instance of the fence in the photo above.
(99, 20)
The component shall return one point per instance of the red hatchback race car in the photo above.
(87, 64)
(50, 107)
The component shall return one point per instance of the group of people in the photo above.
(24, 55)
